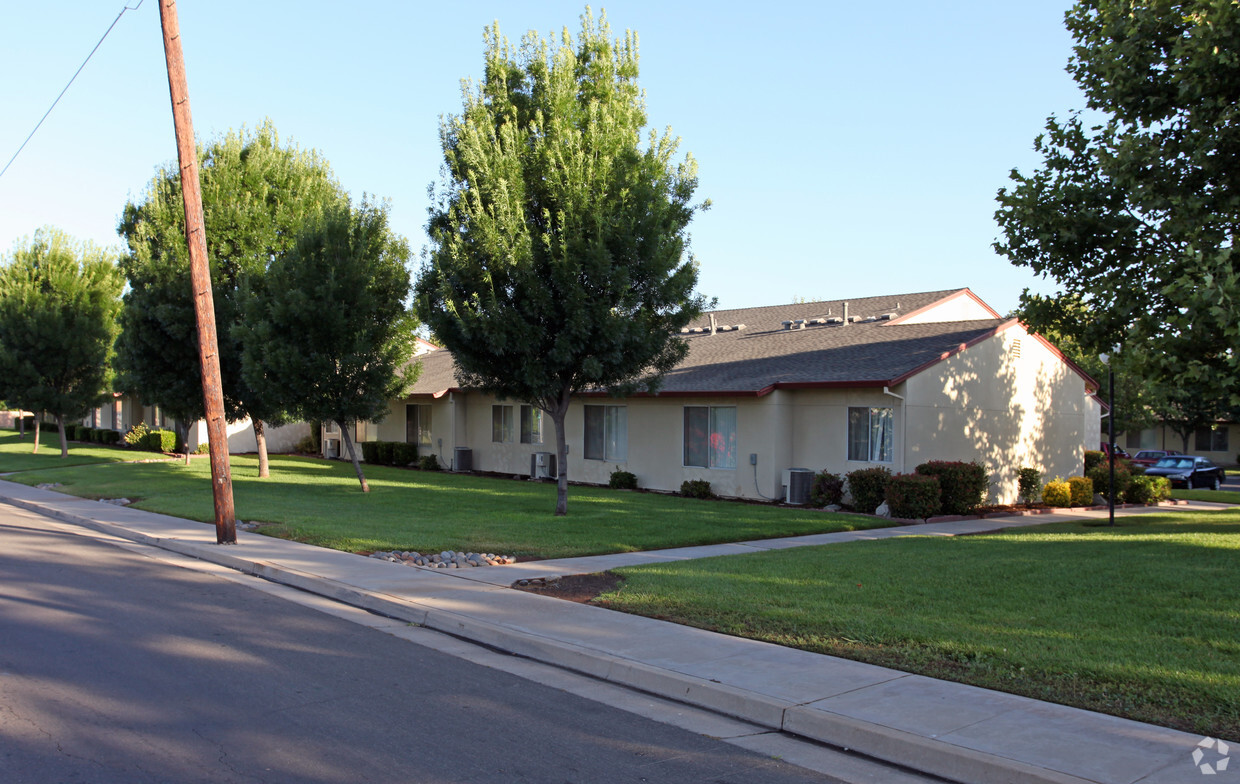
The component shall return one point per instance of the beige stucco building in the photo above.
(837, 385)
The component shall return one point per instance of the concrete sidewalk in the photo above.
(959, 732)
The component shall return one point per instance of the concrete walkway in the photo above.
(959, 732)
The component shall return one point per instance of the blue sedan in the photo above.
(1188, 471)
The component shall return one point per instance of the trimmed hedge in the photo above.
(429, 463)
(1081, 491)
(622, 480)
(868, 487)
(370, 451)
(112, 437)
(962, 486)
(827, 488)
(161, 441)
(914, 496)
(1100, 475)
(1147, 490)
(71, 432)
(1057, 493)
(389, 453)
(83, 433)
(386, 451)
(696, 488)
(404, 454)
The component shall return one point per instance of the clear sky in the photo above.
(849, 149)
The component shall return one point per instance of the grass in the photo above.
(319, 502)
(1218, 496)
(16, 455)
(1141, 620)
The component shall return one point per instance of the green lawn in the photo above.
(1141, 620)
(1219, 496)
(16, 455)
(319, 502)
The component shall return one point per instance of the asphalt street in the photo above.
(120, 667)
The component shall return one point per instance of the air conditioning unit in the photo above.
(462, 459)
(797, 483)
(542, 466)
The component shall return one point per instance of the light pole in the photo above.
(1106, 360)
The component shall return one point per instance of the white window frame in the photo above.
(615, 419)
(422, 427)
(534, 435)
(505, 424)
(713, 437)
(885, 432)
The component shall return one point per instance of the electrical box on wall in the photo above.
(753, 458)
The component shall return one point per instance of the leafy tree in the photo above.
(58, 307)
(329, 335)
(559, 248)
(1137, 216)
(256, 197)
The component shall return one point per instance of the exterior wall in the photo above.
(241, 436)
(960, 308)
(1163, 437)
(1004, 407)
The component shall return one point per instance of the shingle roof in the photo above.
(765, 354)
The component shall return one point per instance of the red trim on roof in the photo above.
(956, 295)
(963, 346)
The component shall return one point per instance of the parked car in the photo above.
(1120, 454)
(1188, 471)
(1148, 457)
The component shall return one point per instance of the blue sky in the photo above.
(849, 149)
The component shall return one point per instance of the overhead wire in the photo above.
(62, 92)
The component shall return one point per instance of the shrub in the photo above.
(71, 432)
(1101, 477)
(111, 436)
(1140, 490)
(622, 480)
(98, 435)
(827, 488)
(696, 488)
(429, 463)
(1029, 481)
(962, 486)
(914, 496)
(83, 433)
(1161, 489)
(161, 441)
(28, 423)
(136, 437)
(203, 449)
(1093, 457)
(868, 487)
(370, 451)
(1057, 493)
(404, 454)
(1081, 490)
(306, 446)
(387, 452)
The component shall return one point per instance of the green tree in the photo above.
(559, 257)
(256, 197)
(1137, 216)
(330, 335)
(58, 308)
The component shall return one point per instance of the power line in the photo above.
(62, 92)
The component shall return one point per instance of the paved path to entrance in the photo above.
(959, 732)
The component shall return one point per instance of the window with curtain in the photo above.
(710, 436)
(501, 424)
(871, 434)
(418, 424)
(607, 433)
(1211, 439)
(531, 425)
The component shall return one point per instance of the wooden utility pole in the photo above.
(200, 275)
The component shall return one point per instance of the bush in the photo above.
(914, 496)
(868, 487)
(71, 432)
(136, 437)
(1094, 457)
(161, 441)
(827, 488)
(99, 435)
(83, 433)
(696, 488)
(1057, 493)
(203, 449)
(1161, 490)
(28, 423)
(622, 480)
(429, 463)
(370, 451)
(1100, 475)
(306, 446)
(1029, 481)
(1081, 491)
(1140, 490)
(962, 486)
(404, 454)
(387, 452)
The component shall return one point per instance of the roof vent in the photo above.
(887, 316)
(834, 320)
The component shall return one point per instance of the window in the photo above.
(501, 424)
(607, 433)
(870, 434)
(710, 436)
(531, 425)
(1211, 439)
(418, 424)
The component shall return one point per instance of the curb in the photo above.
(924, 754)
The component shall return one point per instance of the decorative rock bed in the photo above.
(448, 559)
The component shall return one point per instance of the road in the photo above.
(117, 665)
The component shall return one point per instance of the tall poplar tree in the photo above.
(1137, 217)
(559, 258)
(58, 307)
(257, 195)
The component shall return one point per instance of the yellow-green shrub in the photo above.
(1056, 493)
(1082, 490)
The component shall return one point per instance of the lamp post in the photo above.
(1106, 360)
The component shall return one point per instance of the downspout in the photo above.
(452, 423)
(903, 428)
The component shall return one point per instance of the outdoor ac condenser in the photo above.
(542, 466)
(797, 482)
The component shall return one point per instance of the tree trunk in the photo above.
(260, 438)
(348, 444)
(35, 451)
(64, 442)
(561, 455)
(21, 424)
(182, 431)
